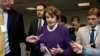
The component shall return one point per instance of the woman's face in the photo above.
(51, 21)
(75, 25)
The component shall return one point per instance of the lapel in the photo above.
(35, 24)
(10, 19)
(87, 35)
(98, 37)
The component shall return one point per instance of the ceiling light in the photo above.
(84, 4)
(30, 8)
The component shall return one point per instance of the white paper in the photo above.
(47, 53)
(3, 28)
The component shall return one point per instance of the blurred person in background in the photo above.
(36, 24)
(63, 20)
(75, 23)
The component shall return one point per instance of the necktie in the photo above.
(40, 23)
(92, 38)
(2, 49)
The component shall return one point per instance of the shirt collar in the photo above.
(96, 28)
(50, 30)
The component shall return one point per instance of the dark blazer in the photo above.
(72, 34)
(73, 37)
(33, 27)
(33, 31)
(16, 33)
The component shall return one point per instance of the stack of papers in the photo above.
(47, 53)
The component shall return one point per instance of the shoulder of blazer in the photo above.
(81, 29)
(99, 27)
(34, 21)
(13, 12)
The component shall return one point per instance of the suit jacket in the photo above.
(16, 33)
(91, 52)
(73, 37)
(33, 27)
(84, 36)
(33, 31)
(72, 34)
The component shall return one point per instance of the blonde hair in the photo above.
(94, 11)
(53, 11)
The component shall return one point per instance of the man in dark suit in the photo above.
(14, 34)
(34, 26)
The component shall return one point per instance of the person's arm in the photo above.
(90, 51)
(37, 43)
(31, 32)
(78, 36)
(67, 40)
(85, 51)
(68, 50)
(20, 28)
(27, 50)
(28, 45)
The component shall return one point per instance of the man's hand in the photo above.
(91, 45)
(32, 39)
(27, 53)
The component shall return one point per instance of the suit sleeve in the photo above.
(28, 45)
(78, 37)
(91, 51)
(37, 45)
(20, 29)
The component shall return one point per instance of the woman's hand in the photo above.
(42, 47)
(57, 50)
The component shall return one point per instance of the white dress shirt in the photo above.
(42, 22)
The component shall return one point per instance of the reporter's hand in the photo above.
(27, 53)
(90, 45)
(32, 39)
(77, 48)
